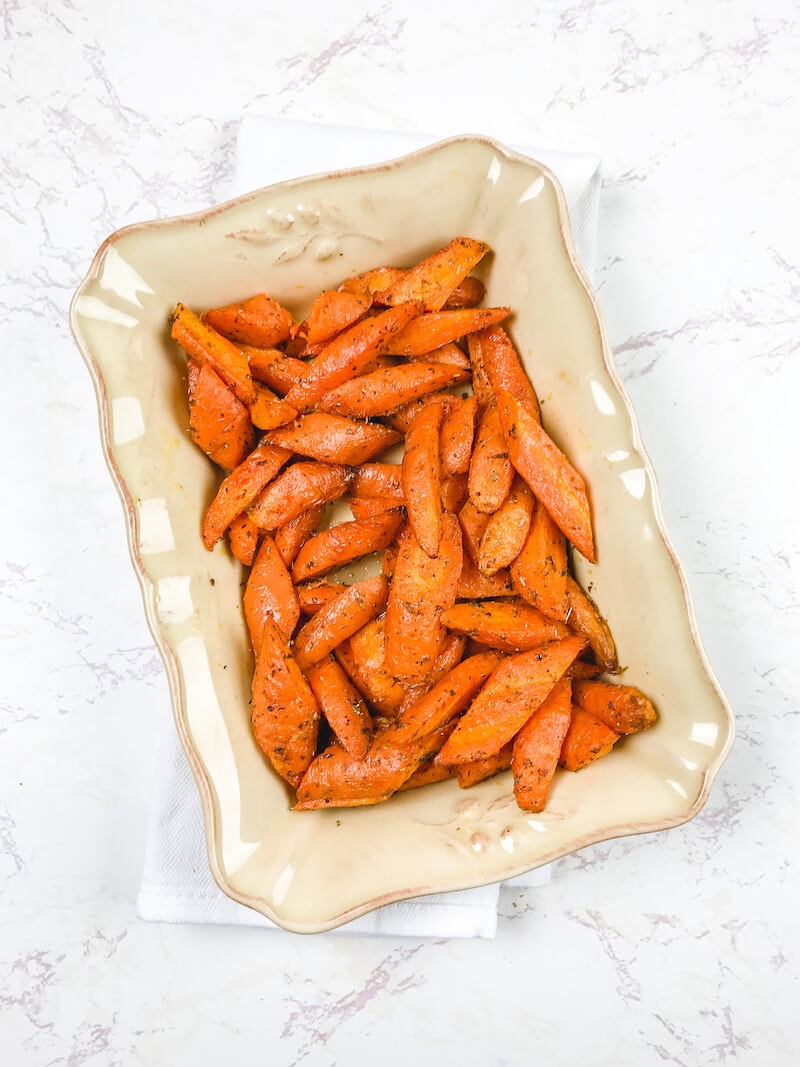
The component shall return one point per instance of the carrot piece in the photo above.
(422, 588)
(490, 469)
(379, 479)
(503, 367)
(342, 705)
(428, 773)
(292, 535)
(450, 656)
(269, 591)
(453, 493)
(481, 386)
(479, 770)
(515, 689)
(473, 586)
(581, 668)
(240, 488)
(537, 748)
(510, 625)
(243, 539)
(548, 472)
(437, 328)
(361, 507)
(338, 620)
(315, 595)
(458, 433)
(506, 530)
(473, 525)
(373, 281)
(331, 313)
(219, 423)
(347, 354)
(420, 477)
(434, 278)
(389, 388)
(363, 657)
(268, 411)
(274, 368)
(205, 345)
(449, 355)
(622, 707)
(587, 740)
(444, 700)
(258, 321)
(584, 618)
(467, 294)
(540, 571)
(301, 486)
(402, 418)
(285, 716)
(389, 559)
(333, 439)
(345, 542)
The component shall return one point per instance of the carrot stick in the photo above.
(257, 321)
(510, 625)
(384, 390)
(479, 770)
(274, 368)
(458, 433)
(428, 773)
(269, 591)
(514, 691)
(303, 485)
(473, 525)
(333, 439)
(434, 278)
(420, 477)
(268, 411)
(342, 705)
(437, 328)
(537, 748)
(422, 588)
(402, 418)
(584, 618)
(292, 535)
(504, 369)
(506, 530)
(347, 354)
(540, 571)
(379, 479)
(219, 422)
(205, 345)
(361, 507)
(315, 595)
(473, 586)
(490, 469)
(587, 739)
(623, 708)
(481, 386)
(240, 488)
(331, 313)
(450, 656)
(243, 539)
(285, 716)
(339, 620)
(548, 472)
(467, 294)
(363, 657)
(345, 542)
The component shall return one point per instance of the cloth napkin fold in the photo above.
(177, 885)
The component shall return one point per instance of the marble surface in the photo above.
(680, 948)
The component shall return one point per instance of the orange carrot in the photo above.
(420, 477)
(315, 595)
(479, 770)
(345, 542)
(548, 472)
(537, 748)
(504, 369)
(274, 368)
(331, 313)
(473, 586)
(205, 345)
(269, 591)
(581, 668)
(473, 525)
(490, 469)
(363, 657)
(467, 294)
(481, 386)
(587, 739)
(506, 530)
(434, 278)
(402, 418)
(447, 355)
(453, 492)
(258, 321)
(339, 620)
(458, 433)
(333, 439)
(268, 411)
(379, 479)
(623, 708)
(373, 281)
(361, 507)
(342, 705)
(219, 422)
(243, 539)
(510, 625)
(540, 570)
(450, 656)
(384, 390)
(427, 773)
(513, 692)
(240, 488)
(437, 328)
(584, 618)
(292, 535)
(303, 485)
(285, 716)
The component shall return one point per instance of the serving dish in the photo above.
(312, 871)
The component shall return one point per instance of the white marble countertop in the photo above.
(681, 947)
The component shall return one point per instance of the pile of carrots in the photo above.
(473, 649)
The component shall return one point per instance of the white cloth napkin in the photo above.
(177, 885)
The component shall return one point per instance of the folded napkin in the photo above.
(177, 885)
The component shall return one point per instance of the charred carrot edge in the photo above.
(623, 708)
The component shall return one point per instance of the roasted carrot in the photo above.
(490, 469)
(315, 595)
(269, 411)
(274, 368)
(258, 321)
(303, 485)
(623, 708)
(243, 539)
(240, 488)
(503, 367)
(448, 355)
(434, 278)
(333, 439)
(363, 657)
(515, 689)
(467, 294)
(269, 591)
(473, 586)
(548, 472)
(338, 620)
(285, 716)
(481, 386)
(384, 390)
(479, 770)
(428, 773)
(342, 705)
(587, 740)
(540, 570)
(205, 345)
(453, 492)
(379, 479)
(347, 355)
(219, 422)
(292, 535)
(450, 655)
(331, 313)
(507, 529)
(584, 618)
(402, 418)
(437, 328)
(422, 588)
(537, 748)
(345, 542)
(510, 625)
(473, 525)
(362, 506)
(373, 282)
(458, 433)
(420, 477)
(581, 668)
